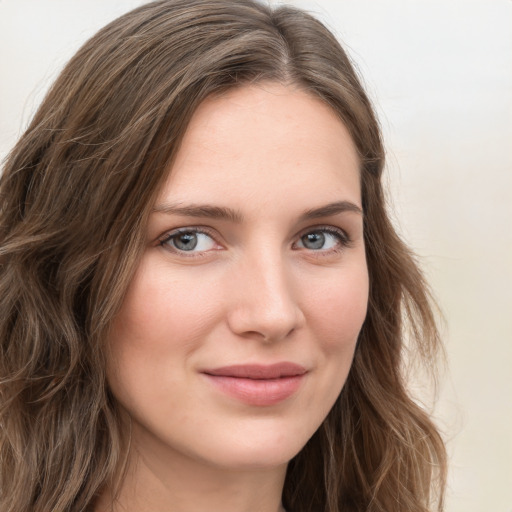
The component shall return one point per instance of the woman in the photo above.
(204, 303)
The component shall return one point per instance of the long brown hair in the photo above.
(75, 195)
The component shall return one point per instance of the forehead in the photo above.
(259, 140)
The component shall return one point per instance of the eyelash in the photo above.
(164, 242)
(343, 238)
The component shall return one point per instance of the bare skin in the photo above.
(255, 257)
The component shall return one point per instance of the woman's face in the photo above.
(239, 327)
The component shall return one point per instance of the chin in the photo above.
(256, 458)
(259, 446)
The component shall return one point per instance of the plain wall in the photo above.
(440, 74)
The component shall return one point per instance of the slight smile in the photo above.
(260, 385)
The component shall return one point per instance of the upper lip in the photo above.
(258, 371)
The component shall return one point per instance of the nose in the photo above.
(264, 302)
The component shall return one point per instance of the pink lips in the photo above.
(258, 384)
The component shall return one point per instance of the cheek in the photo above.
(159, 325)
(338, 310)
(336, 314)
(159, 308)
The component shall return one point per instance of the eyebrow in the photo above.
(331, 209)
(235, 216)
(201, 210)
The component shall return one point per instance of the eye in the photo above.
(189, 241)
(323, 239)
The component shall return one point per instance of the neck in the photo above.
(173, 482)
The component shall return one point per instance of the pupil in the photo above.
(313, 240)
(186, 241)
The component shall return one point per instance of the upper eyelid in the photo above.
(211, 232)
(164, 241)
(324, 227)
(345, 241)
(168, 235)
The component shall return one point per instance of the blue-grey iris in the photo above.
(185, 241)
(315, 240)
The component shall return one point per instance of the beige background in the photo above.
(440, 73)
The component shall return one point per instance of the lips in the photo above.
(257, 371)
(260, 385)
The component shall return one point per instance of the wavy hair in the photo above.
(75, 195)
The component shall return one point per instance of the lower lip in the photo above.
(261, 392)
